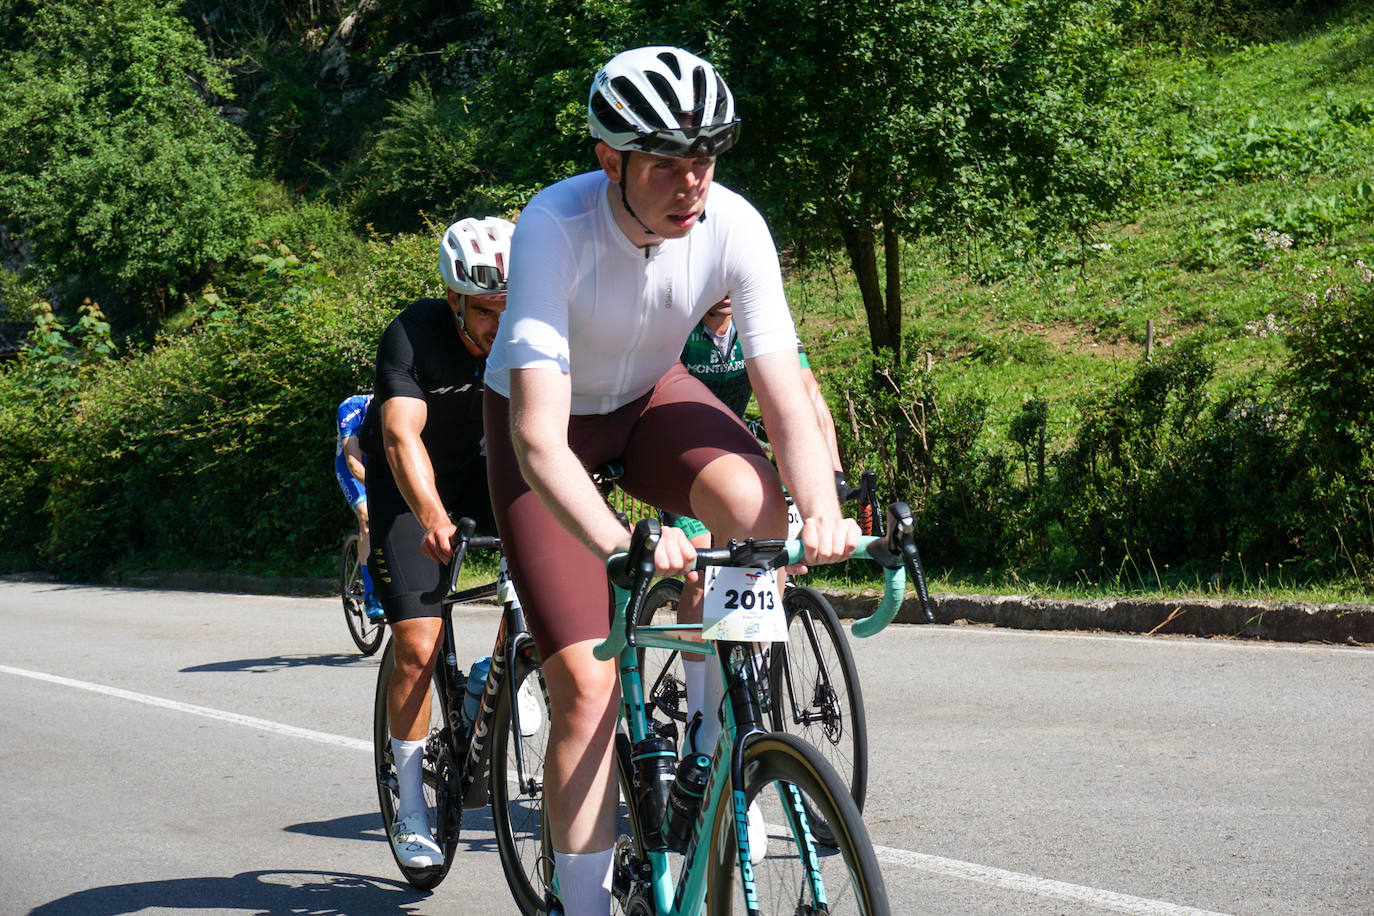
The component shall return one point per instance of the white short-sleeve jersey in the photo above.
(584, 300)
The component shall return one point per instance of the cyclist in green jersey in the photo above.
(713, 354)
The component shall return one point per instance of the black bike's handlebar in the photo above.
(463, 541)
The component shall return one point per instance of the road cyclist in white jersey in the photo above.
(618, 265)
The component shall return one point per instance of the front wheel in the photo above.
(440, 778)
(367, 633)
(789, 780)
(815, 691)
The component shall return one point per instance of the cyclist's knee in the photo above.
(582, 690)
(417, 647)
(738, 496)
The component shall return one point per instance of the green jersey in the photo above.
(723, 373)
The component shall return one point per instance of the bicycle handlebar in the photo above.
(463, 541)
(631, 572)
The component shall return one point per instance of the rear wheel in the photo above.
(665, 690)
(789, 780)
(815, 694)
(440, 778)
(367, 634)
(517, 783)
(517, 796)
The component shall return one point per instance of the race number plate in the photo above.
(794, 520)
(743, 605)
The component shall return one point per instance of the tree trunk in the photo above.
(859, 243)
(892, 260)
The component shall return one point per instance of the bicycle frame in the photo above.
(470, 745)
(742, 713)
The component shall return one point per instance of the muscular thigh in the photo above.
(663, 441)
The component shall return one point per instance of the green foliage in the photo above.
(1209, 21)
(533, 101)
(213, 449)
(124, 178)
(420, 161)
(311, 82)
(929, 448)
(1330, 381)
(864, 122)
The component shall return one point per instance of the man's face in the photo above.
(481, 318)
(668, 194)
(721, 310)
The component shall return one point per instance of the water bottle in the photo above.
(653, 760)
(684, 802)
(477, 683)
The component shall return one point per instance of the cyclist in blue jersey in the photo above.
(350, 466)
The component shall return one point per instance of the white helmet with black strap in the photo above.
(474, 256)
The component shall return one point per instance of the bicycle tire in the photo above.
(517, 807)
(776, 765)
(665, 688)
(821, 701)
(522, 836)
(440, 781)
(367, 633)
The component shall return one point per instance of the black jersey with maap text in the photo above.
(422, 356)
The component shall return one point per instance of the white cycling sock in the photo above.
(410, 757)
(584, 881)
(694, 673)
(705, 690)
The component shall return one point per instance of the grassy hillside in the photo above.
(1276, 137)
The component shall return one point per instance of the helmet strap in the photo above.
(624, 161)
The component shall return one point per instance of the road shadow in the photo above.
(477, 834)
(261, 893)
(283, 663)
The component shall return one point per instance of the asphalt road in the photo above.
(176, 752)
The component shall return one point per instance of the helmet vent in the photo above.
(609, 116)
(637, 103)
(670, 61)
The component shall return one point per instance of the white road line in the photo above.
(1029, 884)
(948, 868)
(1202, 642)
(219, 714)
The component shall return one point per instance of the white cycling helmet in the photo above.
(662, 100)
(474, 256)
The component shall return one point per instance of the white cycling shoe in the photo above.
(530, 706)
(758, 835)
(414, 843)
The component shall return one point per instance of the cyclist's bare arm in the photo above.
(802, 456)
(824, 420)
(353, 457)
(540, 406)
(403, 419)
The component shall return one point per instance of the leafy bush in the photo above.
(1329, 379)
(122, 175)
(1214, 21)
(215, 448)
(420, 161)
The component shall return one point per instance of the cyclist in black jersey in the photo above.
(423, 436)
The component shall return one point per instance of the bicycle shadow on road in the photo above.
(262, 893)
(283, 663)
(477, 834)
